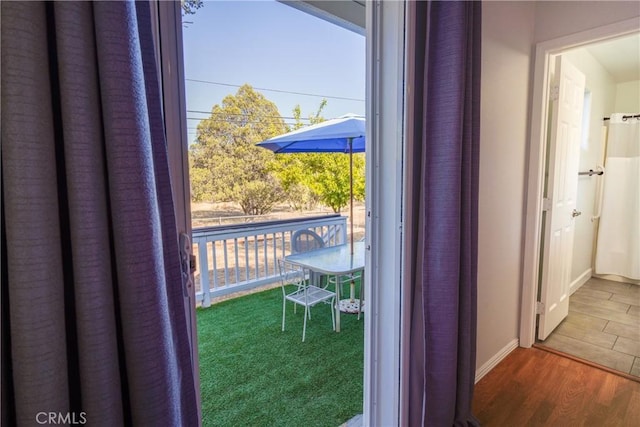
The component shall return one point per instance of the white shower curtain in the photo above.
(618, 246)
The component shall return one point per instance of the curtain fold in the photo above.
(93, 320)
(618, 242)
(444, 106)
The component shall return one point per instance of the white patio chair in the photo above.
(303, 293)
(305, 241)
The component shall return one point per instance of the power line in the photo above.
(242, 114)
(246, 122)
(277, 90)
(194, 129)
(213, 119)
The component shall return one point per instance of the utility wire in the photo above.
(193, 129)
(213, 119)
(277, 90)
(246, 122)
(242, 114)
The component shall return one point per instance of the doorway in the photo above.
(588, 50)
(254, 71)
(602, 325)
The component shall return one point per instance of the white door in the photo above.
(562, 187)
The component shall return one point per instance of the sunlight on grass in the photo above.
(252, 374)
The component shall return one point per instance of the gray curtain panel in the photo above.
(93, 323)
(444, 126)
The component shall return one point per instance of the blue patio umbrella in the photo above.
(345, 134)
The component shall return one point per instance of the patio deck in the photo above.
(253, 374)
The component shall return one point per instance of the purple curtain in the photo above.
(93, 324)
(444, 107)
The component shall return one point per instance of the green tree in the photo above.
(292, 169)
(226, 164)
(313, 118)
(312, 178)
(330, 179)
(189, 7)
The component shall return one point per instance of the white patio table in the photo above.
(332, 260)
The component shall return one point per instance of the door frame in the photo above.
(537, 155)
(385, 111)
(386, 26)
(166, 23)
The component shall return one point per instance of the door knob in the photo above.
(576, 213)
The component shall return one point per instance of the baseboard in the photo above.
(491, 363)
(581, 280)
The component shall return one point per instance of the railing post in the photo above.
(204, 273)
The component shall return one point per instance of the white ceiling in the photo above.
(621, 57)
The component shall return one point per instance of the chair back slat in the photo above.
(306, 240)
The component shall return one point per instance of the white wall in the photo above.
(507, 35)
(510, 31)
(627, 97)
(556, 19)
(602, 88)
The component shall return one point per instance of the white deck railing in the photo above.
(243, 256)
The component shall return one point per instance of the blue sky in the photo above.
(272, 46)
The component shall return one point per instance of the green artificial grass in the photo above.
(252, 374)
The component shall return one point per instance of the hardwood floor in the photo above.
(603, 326)
(533, 387)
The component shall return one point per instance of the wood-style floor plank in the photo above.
(533, 387)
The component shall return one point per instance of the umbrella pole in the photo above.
(352, 286)
(351, 189)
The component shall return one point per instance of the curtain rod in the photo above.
(635, 116)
